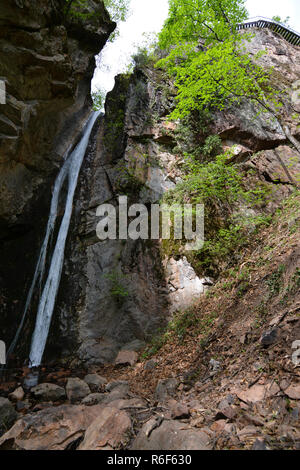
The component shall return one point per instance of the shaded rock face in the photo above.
(133, 152)
(92, 320)
(47, 62)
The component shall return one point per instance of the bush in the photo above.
(220, 187)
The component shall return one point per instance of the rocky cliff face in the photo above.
(115, 294)
(47, 62)
(135, 152)
(226, 375)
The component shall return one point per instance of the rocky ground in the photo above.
(225, 377)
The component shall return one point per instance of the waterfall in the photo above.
(70, 171)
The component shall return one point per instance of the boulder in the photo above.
(150, 365)
(132, 403)
(218, 426)
(116, 394)
(120, 385)
(172, 435)
(54, 428)
(259, 444)
(126, 358)
(246, 432)
(258, 392)
(77, 389)
(110, 430)
(93, 399)
(226, 402)
(179, 410)
(269, 337)
(49, 392)
(17, 395)
(95, 382)
(293, 391)
(8, 414)
(166, 388)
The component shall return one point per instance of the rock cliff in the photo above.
(224, 373)
(47, 63)
(135, 152)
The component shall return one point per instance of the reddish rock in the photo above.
(51, 429)
(246, 432)
(258, 392)
(110, 430)
(293, 391)
(253, 395)
(229, 412)
(126, 358)
(179, 410)
(218, 426)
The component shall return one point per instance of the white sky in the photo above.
(148, 16)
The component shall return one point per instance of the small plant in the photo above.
(117, 290)
(212, 146)
(275, 280)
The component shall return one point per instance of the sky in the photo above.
(148, 16)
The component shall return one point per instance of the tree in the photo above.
(98, 97)
(206, 55)
(280, 20)
(119, 11)
(209, 20)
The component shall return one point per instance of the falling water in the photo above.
(70, 171)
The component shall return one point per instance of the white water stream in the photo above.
(70, 171)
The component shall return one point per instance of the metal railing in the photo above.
(285, 31)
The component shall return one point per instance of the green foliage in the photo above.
(217, 180)
(190, 133)
(117, 290)
(209, 20)
(142, 57)
(219, 186)
(77, 9)
(212, 146)
(280, 20)
(98, 98)
(118, 10)
(275, 280)
(217, 71)
(183, 322)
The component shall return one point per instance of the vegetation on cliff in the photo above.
(207, 57)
